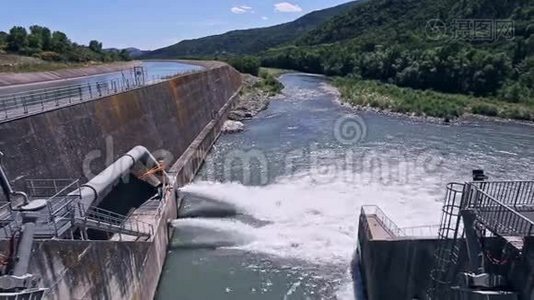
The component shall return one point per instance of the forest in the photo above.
(369, 43)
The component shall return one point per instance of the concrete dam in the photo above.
(95, 183)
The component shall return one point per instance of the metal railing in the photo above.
(43, 188)
(60, 206)
(389, 225)
(424, 231)
(113, 222)
(518, 194)
(498, 216)
(64, 211)
(8, 221)
(22, 103)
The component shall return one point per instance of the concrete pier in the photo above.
(396, 266)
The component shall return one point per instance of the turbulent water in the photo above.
(274, 212)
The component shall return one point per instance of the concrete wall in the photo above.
(395, 269)
(400, 268)
(181, 117)
(78, 141)
(104, 269)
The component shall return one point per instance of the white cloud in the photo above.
(287, 7)
(264, 18)
(242, 9)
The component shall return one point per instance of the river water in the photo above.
(273, 214)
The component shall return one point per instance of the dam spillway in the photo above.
(177, 120)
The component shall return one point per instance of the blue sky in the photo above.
(150, 24)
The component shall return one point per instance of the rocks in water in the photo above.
(230, 126)
(239, 115)
(252, 99)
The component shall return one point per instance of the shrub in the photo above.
(517, 114)
(50, 56)
(246, 64)
(485, 109)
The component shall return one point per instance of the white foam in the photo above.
(346, 291)
(223, 225)
(316, 222)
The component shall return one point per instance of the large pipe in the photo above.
(24, 249)
(101, 185)
(6, 186)
(4, 181)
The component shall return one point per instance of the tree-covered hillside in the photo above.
(249, 41)
(401, 42)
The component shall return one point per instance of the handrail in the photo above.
(499, 203)
(503, 220)
(383, 218)
(17, 104)
(421, 231)
(519, 194)
(110, 218)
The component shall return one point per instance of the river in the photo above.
(276, 207)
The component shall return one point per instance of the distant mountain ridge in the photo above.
(250, 41)
(135, 53)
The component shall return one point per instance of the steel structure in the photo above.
(471, 212)
(62, 209)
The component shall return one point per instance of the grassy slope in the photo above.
(369, 93)
(11, 63)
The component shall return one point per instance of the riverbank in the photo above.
(255, 95)
(388, 98)
(68, 72)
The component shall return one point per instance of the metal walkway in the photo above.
(504, 208)
(65, 214)
(107, 221)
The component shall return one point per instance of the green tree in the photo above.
(95, 46)
(17, 39)
(124, 55)
(39, 37)
(35, 42)
(60, 43)
(246, 64)
(3, 40)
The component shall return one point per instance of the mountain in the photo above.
(411, 16)
(480, 47)
(250, 41)
(135, 53)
